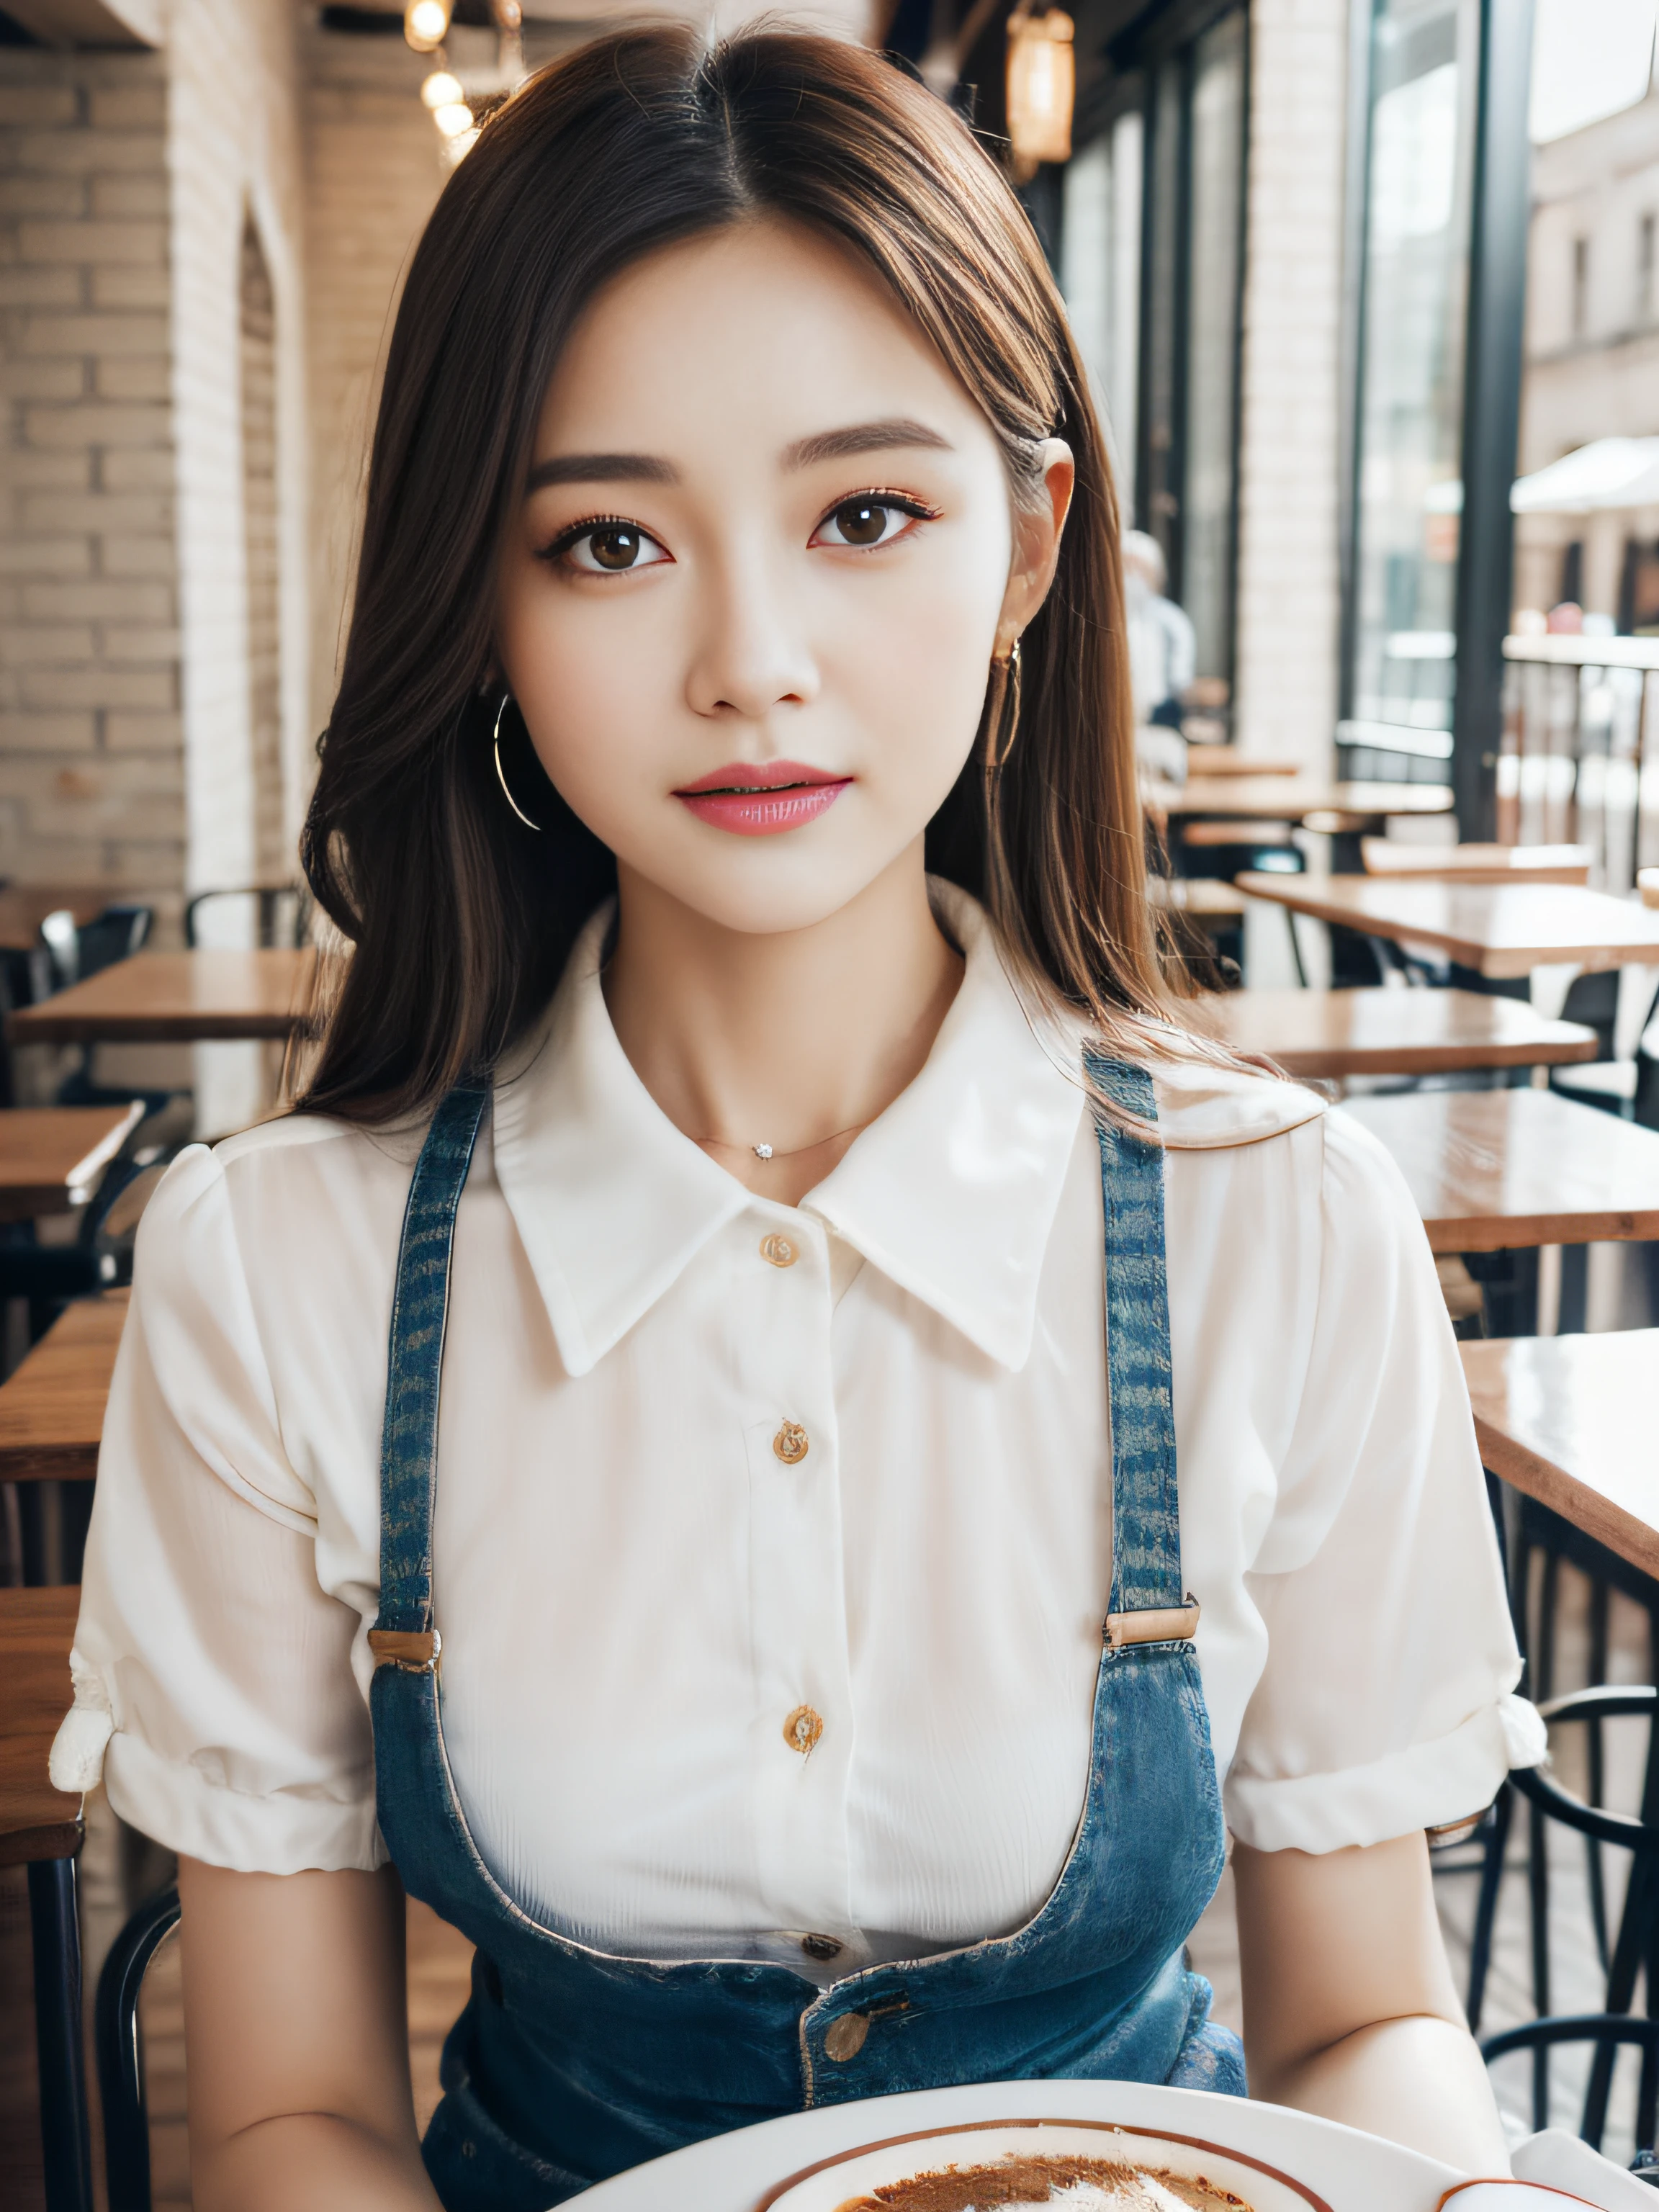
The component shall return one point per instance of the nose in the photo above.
(751, 655)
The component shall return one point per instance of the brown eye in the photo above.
(615, 548)
(861, 521)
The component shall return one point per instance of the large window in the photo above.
(1151, 264)
(1412, 305)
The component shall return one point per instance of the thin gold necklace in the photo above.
(766, 1151)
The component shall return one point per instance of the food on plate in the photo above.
(1049, 2184)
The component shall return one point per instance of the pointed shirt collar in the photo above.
(951, 1192)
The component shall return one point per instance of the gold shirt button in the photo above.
(844, 2038)
(778, 1250)
(790, 1443)
(802, 1729)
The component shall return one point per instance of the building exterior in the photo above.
(1592, 368)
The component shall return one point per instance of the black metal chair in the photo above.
(281, 913)
(67, 953)
(1606, 2031)
(1635, 1948)
(119, 2051)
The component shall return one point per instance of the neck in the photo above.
(795, 1040)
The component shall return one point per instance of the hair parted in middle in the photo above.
(460, 916)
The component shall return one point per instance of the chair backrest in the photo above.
(1605, 2032)
(120, 2051)
(68, 953)
(280, 914)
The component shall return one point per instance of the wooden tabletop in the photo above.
(1568, 1419)
(24, 907)
(1380, 1032)
(1478, 863)
(51, 1408)
(1492, 1170)
(1200, 895)
(174, 997)
(50, 1155)
(1227, 760)
(37, 1627)
(1498, 929)
(1277, 798)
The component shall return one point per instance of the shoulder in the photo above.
(290, 1199)
(1206, 1105)
(1303, 1169)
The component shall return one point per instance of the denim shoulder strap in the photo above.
(1146, 1507)
(408, 1441)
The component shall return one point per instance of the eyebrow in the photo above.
(600, 468)
(805, 453)
(863, 438)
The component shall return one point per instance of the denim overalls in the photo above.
(568, 2065)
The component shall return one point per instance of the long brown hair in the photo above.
(461, 917)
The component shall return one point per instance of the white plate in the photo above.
(841, 2184)
(739, 2172)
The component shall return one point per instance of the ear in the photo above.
(1038, 527)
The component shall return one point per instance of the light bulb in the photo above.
(425, 24)
(441, 90)
(453, 118)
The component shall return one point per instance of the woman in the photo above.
(739, 548)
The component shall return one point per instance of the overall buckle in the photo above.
(414, 1650)
(1165, 1624)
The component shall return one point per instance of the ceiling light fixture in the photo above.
(1041, 88)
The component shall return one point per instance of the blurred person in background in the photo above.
(1162, 654)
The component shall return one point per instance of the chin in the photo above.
(788, 893)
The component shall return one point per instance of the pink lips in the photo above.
(758, 801)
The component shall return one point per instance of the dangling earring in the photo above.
(500, 774)
(1008, 714)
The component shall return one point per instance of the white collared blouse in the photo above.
(636, 1590)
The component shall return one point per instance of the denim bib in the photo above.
(568, 2065)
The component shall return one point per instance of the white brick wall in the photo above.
(91, 772)
(233, 145)
(1288, 598)
(372, 176)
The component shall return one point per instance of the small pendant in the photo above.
(762, 1152)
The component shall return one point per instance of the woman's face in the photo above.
(766, 555)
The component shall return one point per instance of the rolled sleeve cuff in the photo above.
(1428, 1785)
(286, 1833)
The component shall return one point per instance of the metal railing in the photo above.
(1579, 762)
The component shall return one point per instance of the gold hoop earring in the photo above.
(500, 774)
(1008, 714)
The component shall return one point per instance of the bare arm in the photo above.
(1349, 2007)
(296, 2043)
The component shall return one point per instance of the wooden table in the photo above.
(1381, 1032)
(1499, 929)
(1205, 897)
(1292, 799)
(1478, 863)
(174, 997)
(1494, 1171)
(37, 1627)
(51, 1408)
(1570, 1421)
(50, 1155)
(1227, 760)
(40, 1829)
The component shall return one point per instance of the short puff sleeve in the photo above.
(1385, 1704)
(214, 1676)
